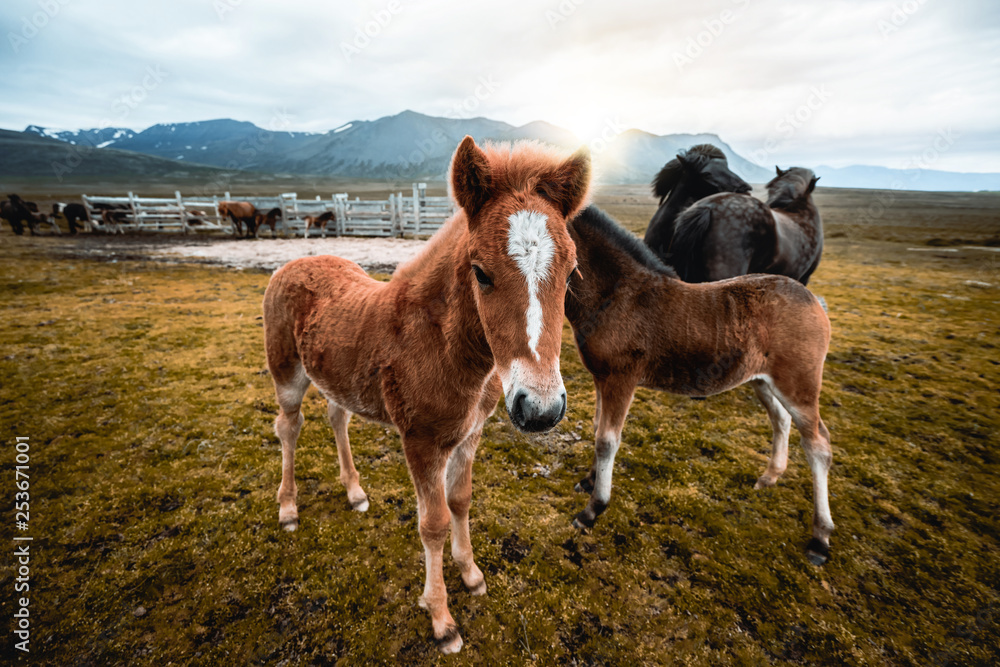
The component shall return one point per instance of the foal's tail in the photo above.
(687, 249)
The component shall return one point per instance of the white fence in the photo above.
(416, 215)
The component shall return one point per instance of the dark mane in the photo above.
(667, 178)
(791, 189)
(705, 152)
(606, 226)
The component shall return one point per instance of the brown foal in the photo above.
(637, 324)
(478, 314)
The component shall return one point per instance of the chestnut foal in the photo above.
(637, 324)
(478, 314)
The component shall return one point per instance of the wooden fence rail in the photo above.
(415, 215)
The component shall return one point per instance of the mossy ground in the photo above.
(154, 467)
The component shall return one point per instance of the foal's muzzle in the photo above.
(531, 414)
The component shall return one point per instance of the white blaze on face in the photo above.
(529, 243)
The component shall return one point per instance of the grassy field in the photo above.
(153, 468)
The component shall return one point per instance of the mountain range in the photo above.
(413, 145)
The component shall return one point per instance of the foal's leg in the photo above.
(781, 423)
(348, 473)
(816, 443)
(290, 385)
(458, 490)
(586, 485)
(615, 399)
(427, 466)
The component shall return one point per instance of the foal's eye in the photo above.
(569, 278)
(484, 280)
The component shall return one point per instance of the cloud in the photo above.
(896, 71)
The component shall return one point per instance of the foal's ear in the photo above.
(812, 184)
(471, 179)
(778, 169)
(567, 185)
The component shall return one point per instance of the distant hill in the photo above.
(413, 145)
(99, 138)
(406, 145)
(27, 155)
(882, 178)
(636, 156)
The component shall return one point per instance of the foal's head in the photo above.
(790, 187)
(520, 256)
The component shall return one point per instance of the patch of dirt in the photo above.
(378, 255)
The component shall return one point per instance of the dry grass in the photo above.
(154, 467)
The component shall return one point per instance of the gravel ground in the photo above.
(373, 254)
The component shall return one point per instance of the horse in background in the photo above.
(270, 219)
(694, 174)
(729, 235)
(319, 221)
(195, 218)
(74, 213)
(113, 216)
(636, 324)
(475, 316)
(19, 213)
(240, 213)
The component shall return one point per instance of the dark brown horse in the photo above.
(319, 221)
(694, 174)
(74, 213)
(476, 315)
(636, 324)
(729, 235)
(19, 213)
(113, 216)
(240, 213)
(270, 219)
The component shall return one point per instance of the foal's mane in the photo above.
(598, 222)
(515, 170)
(670, 175)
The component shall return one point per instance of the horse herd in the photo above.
(478, 314)
(246, 219)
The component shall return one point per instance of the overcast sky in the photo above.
(837, 82)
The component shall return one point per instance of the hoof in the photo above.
(478, 589)
(288, 517)
(764, 482)
(584, 486)
(361, 505)
(450, 642)
(817, 552)
(583, 522)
